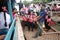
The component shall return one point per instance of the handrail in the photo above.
(19, 30)
(18, 35)
(8, 36)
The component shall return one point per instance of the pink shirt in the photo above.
(26, 10)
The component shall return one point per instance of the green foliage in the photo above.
(49, 0)
(37, 1)
(41, 1)
(25, 2)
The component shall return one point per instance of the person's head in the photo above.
(14, 10)
(22, 14)
(30, 12)
(34, 6)
(20, 1)
(42, 6)
(4, 8)
(49, 17)
(54, 4)
(46, 2)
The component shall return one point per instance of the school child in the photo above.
(25, 10)
(14, 11)
(35, 20)
(47, 26)
(48, 21)
(24, 21)
(31, 21)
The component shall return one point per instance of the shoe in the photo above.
(40, 34)
(34, 36)
(32, 30)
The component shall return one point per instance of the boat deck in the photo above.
(29, 36)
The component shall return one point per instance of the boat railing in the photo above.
(17, 29)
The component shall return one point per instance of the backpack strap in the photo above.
(5, 19)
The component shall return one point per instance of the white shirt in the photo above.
(8, 19)
(2, 21)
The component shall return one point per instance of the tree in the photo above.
(37, 1)
(41, 1)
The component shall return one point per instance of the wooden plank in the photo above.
(54, 29)
(51, 33)
(55, 18)
(45, 36)
(55, 11)
(40, 27)
(19, 29)
(15, 37)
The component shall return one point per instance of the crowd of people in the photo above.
(33, 13)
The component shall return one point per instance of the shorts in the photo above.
(24, 23)
(31, 24)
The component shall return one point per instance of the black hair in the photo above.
(48, 16)
(54, 4)
(29, 12)
(14, 9)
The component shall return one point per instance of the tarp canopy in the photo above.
(54, 2)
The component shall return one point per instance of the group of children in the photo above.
(29, 20)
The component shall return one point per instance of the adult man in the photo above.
(41, 18)
(4, 22)
(20, 5)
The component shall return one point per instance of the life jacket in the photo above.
(34, 18)
(48, 19)
(30, 18)
(24, 18)
(51, 23)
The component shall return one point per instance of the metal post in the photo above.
(13, 3)
(10, 9)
